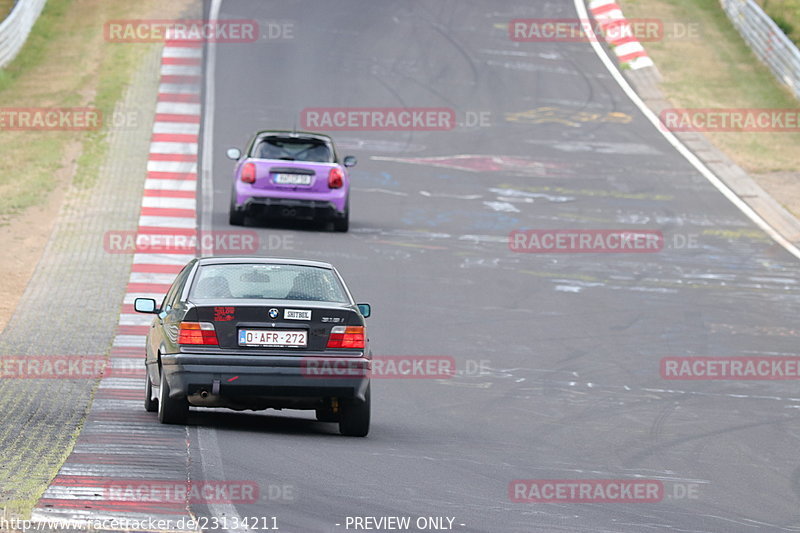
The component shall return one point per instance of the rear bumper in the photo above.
(291, 208)
(305, 204)
(265, 381)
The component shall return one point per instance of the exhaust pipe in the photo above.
(204, 394)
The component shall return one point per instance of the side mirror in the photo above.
(234, 153)
(365, 310)
(145, 305)
(350, 161)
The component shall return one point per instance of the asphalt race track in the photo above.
(568, 345)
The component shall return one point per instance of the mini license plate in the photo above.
(293, 179)
(273, 338)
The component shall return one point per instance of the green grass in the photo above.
(5, 8)
(52, 70)
(786, 14)
(116, 70)
(718, 70)
(38, 42)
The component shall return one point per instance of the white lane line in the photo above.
(121, 383)
(131, 296)
(180, 70)
(628, 48)
(130, 319)
(168, 222)
(207, 183)
(162, 259)
(188, 167)
(210, 456)
(179, 88)
(183, 128)
(130, 341)
(182, 51)
(177, 108)
(213, 469)
(169, 203)
(168, 147)
(147, 277)
(600, 3)
(170, 185)
(676, 143)
(641, 62)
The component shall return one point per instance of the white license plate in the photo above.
(293, 179)
(273, 337)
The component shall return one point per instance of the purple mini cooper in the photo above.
(291, 174)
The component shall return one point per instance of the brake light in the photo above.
(335, 178)
(347, 337)
(198, 333)
(249, 173)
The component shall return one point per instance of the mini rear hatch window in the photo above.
(260, 281)
(291, 149)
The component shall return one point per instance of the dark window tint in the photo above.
(291, 149)
(260, 281)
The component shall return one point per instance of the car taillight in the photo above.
(347, 337)
(198, 333)
(249, 173)
(336, 178)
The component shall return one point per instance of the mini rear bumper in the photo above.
(282, 377)
(292, 208)
(304, 204)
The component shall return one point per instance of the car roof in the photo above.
(250, 260)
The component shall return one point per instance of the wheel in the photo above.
(326, 414)
(342, 223)
(235, 215)
(354, 418)
(170, 410)
(150, 404)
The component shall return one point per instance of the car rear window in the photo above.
(292, 149)
(265, 281)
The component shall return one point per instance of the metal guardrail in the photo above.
(15, 28)
(767, 40)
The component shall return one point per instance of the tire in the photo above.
(326, 414)
(150, 405)
(342, 223)
(235, 215)
(354, 418)
(170, 410)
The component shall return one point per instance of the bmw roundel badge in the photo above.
(273, 313)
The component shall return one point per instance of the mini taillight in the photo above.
(347, 337)
(249, 173)
(335, 178)
(198, 333)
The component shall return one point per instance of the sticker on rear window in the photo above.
(297, 314)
